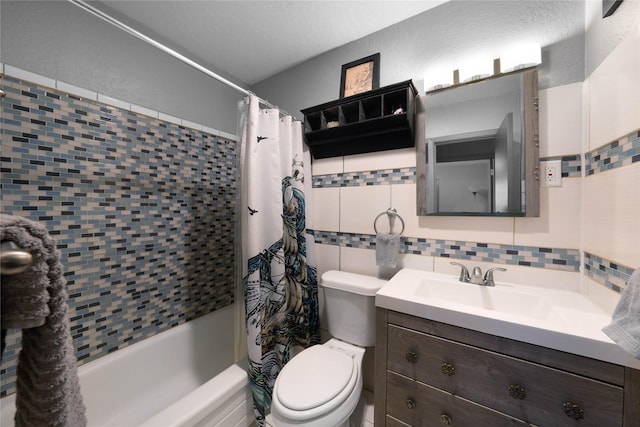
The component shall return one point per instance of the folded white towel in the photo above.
(387, 250)
(624, 328)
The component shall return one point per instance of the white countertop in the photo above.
(562, 320)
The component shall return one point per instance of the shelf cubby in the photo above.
(362, 123)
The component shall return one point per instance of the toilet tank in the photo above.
(349, 301)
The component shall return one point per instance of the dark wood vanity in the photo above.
(433, 374)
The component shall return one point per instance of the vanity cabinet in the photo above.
(432, 374)
(380, 119)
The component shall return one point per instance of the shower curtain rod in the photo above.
(105, 17)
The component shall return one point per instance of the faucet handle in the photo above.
(488, 276)
(464, 273)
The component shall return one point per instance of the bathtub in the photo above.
(185, 376)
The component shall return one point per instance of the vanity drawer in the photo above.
(418, 404)
(531, 392)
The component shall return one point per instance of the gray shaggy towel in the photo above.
(47, 385)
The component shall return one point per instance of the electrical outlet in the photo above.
(551, 173)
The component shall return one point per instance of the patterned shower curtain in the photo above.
(279, 281)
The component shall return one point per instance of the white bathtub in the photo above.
(185, 376)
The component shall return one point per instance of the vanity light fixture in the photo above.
(519, 57)
(477, 68)
(438, 77)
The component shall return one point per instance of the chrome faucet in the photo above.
(476, 277)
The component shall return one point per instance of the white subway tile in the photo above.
(561, 120)
(611, 219)
(359, 206)
(328, 258)
(604, 297)
(144, 111)
(211, 131)
(169, 118)
(192, 125)
(380, 160)
(326, 209)
(558, 225)
(614, 92)
(21, 74)
(328, 166)
(360, 261)
(77, 91)
(230, 136)
(114, 102)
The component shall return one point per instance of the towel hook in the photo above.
(13, 259)
(392, 214)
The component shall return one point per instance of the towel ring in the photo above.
(392, 213)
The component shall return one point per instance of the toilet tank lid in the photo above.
(352, 282)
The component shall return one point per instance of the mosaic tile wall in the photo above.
(619, 153)
(606, 272)
(571, 168)
(142, 210)
(616, 154)
(550, 258)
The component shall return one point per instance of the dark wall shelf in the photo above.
(362, 123)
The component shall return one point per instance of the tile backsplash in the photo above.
(142, 210)
(525, 256)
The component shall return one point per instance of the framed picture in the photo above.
(360, 76)
(609, 6)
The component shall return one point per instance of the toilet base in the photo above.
(357, 418)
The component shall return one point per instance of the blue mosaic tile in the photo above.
(354, 179)
(616, 154)
(533, 256)
(142, 211)
(608, 273)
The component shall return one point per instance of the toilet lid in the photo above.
(314, 377)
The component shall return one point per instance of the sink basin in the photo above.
(497, 298)
(564, 320)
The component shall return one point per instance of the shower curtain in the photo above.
(279, 276)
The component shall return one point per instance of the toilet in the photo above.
(322, 385)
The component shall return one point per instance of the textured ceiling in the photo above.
(252, 40)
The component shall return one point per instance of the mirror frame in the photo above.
(530, 123)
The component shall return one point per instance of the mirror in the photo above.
(480, 150)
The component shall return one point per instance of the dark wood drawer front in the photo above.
(421, 405)
(392, 422)
(525, 390)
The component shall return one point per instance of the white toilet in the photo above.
(322, 385)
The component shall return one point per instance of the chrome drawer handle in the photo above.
(412, 356)
(410, 403)
(447, 368)
(573, 410)
(445, 420)
(517, 391)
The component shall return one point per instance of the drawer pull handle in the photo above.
(517, 391)
(447, 368)
(410, 403)
(573, 410)
(445, 420)
(412, 356)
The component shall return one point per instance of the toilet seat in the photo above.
(315, 382)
